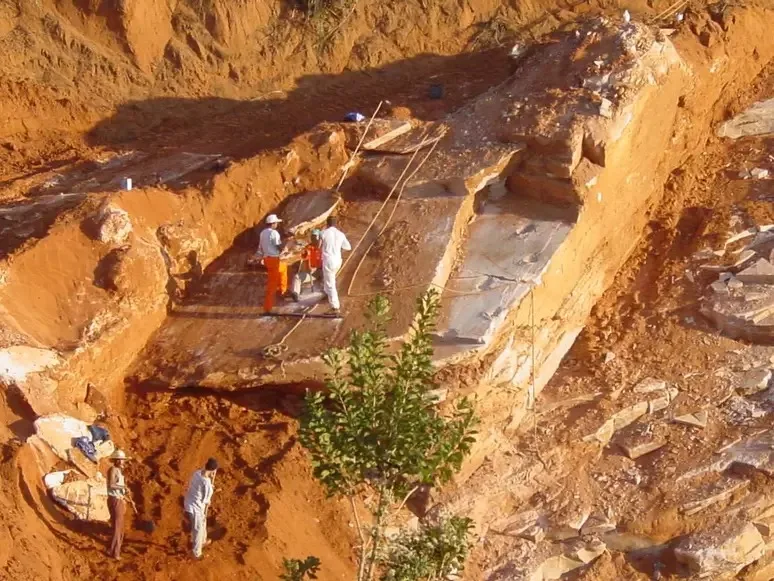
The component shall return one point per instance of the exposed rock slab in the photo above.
(639, 445)
(723, 550)
(550, 562)
(757, 120)
(754, 381)
(762, 272)
(24, 367)
(418, 137)
(696, 420)
(449, 171)
(303, 212)
(755, 452)
(169, 169)
(705, 496)
(86, 499)
(58, 431)
(380, 132)
(630, 414)
(508, 248)
(747, 314)
(598, 523)
(650, 385)
(18, 362)
(567, 520)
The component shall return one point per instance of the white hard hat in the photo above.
(272, 219)
(118, 455)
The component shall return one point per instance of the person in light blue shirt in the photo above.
(197, 501)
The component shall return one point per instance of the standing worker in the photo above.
(197, 501)
(117, 491)
(333, 242)
(310, 265)
(270, 249)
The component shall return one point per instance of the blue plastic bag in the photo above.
(354, 116)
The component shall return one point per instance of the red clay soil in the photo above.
(266, 505)
(80, 77)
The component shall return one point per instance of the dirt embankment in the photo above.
(68, 64)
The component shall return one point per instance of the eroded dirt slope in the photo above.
(147, 70)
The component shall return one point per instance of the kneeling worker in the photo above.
(310, 265)
(270, 249)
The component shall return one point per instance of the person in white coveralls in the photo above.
(333, 242)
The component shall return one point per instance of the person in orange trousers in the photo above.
(278, 280)
(270, 249)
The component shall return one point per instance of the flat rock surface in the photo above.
(761, 272)
(418, 137)
(380, 132)
(303, 212)
(216, 338)
(723, 549)
(757, 120)
(748, 313)
(509, 246)
(86, 499)
(449, 170)
(754, 452)
(701, 497)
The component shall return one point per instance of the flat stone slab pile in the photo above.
(740, 302)
(757, 120)
(722, 551)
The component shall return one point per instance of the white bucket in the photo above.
(127, 184)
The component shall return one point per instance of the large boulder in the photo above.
(721, 551)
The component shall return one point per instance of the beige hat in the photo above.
(118, 455)
(272, 219)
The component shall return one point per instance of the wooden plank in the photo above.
(387, 137)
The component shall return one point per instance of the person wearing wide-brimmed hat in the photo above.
(117, 495)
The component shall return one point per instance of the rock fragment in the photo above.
(113, 225)
(714, 493)
(649, 385)
(754, 381)
(598, 523)
(762, 272)
(696, 419)
(724, 549)
(640, 445)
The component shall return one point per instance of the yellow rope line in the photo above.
(357, 148)
(394, 208)
(276, 349)
(381, 208)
